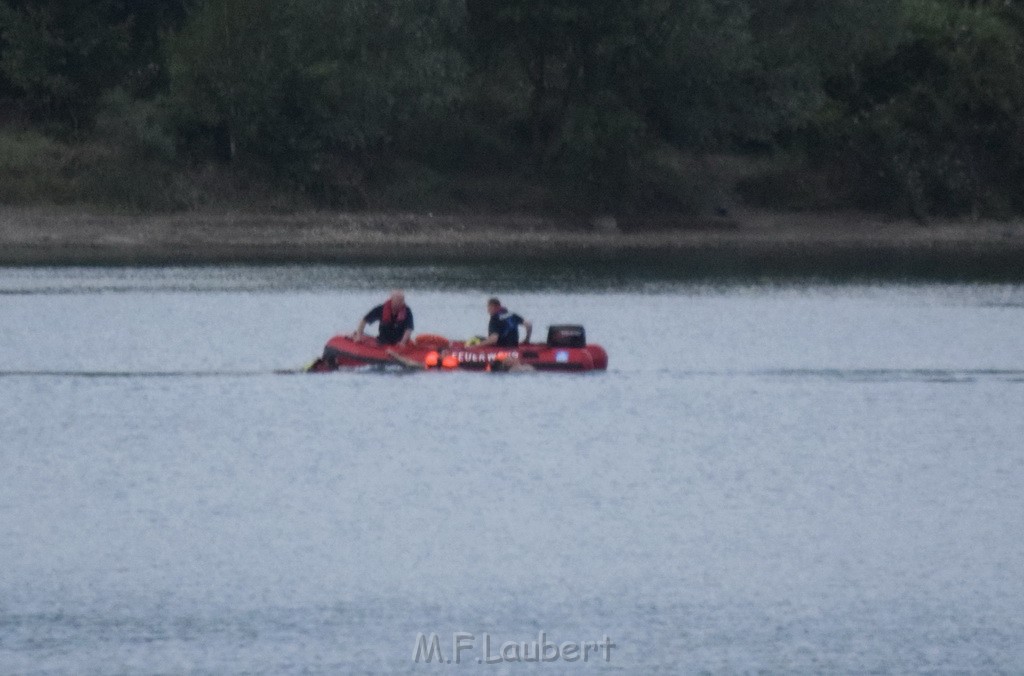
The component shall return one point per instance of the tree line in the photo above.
(906, 106)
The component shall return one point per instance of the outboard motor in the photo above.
(567, 335)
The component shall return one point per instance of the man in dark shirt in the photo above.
(395, 319)
(503, 329)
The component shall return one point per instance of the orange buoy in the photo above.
(432, 359)
(450, 361)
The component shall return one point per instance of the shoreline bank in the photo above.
(743, 244)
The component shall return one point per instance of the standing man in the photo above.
(395, 319)
(503, 329)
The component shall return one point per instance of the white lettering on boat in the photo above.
(481, 357)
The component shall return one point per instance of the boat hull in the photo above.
(345, 352)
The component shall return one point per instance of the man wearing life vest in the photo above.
(395, 319)
(503, 329)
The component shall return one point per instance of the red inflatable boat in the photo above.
(565, 350)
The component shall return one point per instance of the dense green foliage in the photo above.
(906, 106)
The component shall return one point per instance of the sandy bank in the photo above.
(743, 243)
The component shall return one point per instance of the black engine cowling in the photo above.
(567, 335)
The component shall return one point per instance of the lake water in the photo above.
(769, 477)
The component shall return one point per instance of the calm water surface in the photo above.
(788, 478)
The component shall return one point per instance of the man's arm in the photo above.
(529, 330)
(409, 326)
(493, 327)
(372, 316)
